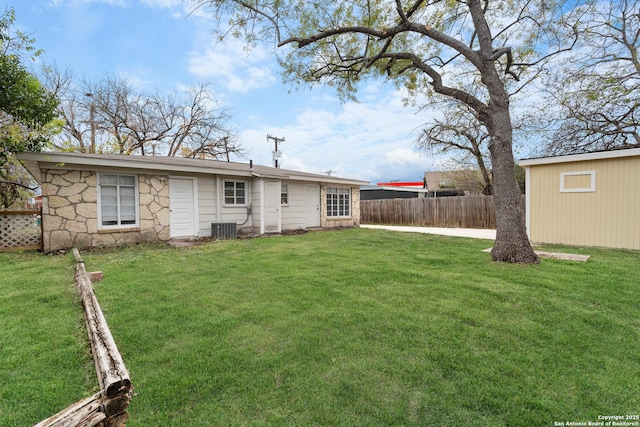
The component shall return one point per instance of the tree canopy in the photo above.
(598, 86)
(478, 53)
(27, 108)
(109, 115)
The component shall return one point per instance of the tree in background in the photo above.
(26, 106)
(598, 88)
(27, 109)
(473, 52)
(461, 132)
(110, 116)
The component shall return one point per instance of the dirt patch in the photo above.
(556, 255)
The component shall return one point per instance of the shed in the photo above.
(590, 199)
(94, 200)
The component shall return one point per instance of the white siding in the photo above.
(256, 202)
(235, 213)
(206, 204)
(293, 215)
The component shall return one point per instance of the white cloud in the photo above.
(164, 4)
(231, 66)
(373, 141)
(76, 3)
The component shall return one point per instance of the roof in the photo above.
(34, 162)
(393, 188)
(413, 184)
(599, 155)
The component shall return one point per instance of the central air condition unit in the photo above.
(223, 230)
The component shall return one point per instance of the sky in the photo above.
(159, 45)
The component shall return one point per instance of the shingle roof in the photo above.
(177, 165)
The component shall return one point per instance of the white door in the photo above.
(182, 209)
(312, 205)
(272, 207)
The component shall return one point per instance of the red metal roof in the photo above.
(401, 184)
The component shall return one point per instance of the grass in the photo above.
(44, 358)
(352, 328)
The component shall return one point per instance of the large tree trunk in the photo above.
(512, 243)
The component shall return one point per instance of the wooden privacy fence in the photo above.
(108, 407)
(463, 212)
(20, 230)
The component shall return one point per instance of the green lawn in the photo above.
(351, 328)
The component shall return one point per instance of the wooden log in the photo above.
(118, 420)
(86, 413)
(113, 376)
(96, 276)
(107, 408)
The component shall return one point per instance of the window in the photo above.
(118, 200)
(578, 182)
(447, 183)
(284, 194)
(338, 202)
(234, 193)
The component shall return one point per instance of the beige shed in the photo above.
(590, 199)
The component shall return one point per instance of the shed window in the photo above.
(235, 192)
(578, 182)
(338, 202)
(118, 200)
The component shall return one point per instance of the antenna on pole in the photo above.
(277, 154)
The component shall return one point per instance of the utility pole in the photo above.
(276, 153)
(92, 120)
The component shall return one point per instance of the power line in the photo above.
(277, 155)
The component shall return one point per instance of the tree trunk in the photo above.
(512, 243)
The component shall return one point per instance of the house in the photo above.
(454, 183)
(590, 199)
(393, 190)
(94, 200)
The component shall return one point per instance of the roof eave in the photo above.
(128, 163)
(580, 157)
(35, 161)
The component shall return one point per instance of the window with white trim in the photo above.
(235, 192)
(578, 182)
(284, 194)
(338, 202)
(118, 200)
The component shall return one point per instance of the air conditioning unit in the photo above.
(224, 230)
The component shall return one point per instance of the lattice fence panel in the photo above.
(20, 230)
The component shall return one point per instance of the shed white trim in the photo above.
(581, 157)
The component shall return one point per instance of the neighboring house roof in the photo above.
(413, 184)
(172, 165)
(375, 192)
(598, 155)
(469, 180)
(435, 178)
(394, 188)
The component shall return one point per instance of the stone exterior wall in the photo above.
(330, 222)
(70, 212)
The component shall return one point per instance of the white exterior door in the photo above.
(272, 207)
(182, 217)
(312, 205)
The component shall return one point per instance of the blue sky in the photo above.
(154, 45)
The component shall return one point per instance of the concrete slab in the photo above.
(471, 233)
(455, 232)
(556, 255)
